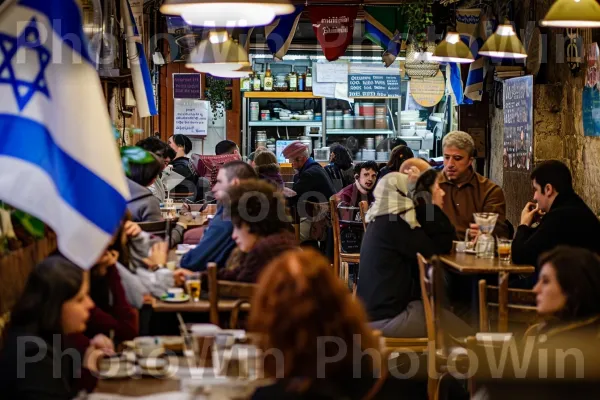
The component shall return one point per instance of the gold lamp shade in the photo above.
(504, 43)
(227, 13)
(218, 54)
(452, 49)
(573, 14)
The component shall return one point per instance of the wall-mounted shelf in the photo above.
(285, 123)
(359, 132)
(280, 95)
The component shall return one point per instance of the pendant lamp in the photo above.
(240, 73)
(218, 54)
(504, 43)
(227, 13)
(452, 49)
(573, 14)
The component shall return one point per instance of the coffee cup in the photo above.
(147, 346)
(175, 293)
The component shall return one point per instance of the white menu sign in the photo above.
(191, 117)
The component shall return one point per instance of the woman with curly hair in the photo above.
(340, 167)
(261, 229)
(316, 335)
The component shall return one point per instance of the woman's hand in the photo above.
(158, 255)
(132, 229)
(99, 347)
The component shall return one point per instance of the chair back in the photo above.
(317, 215)
(346, 245)
(504, 305)
(363, 207)
(158, 228)
(217, 289)
(208, 166)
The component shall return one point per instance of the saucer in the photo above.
(183, 299)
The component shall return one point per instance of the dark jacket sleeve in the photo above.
(150, 209)
(530, 243)
(437, 227)
(215, 246)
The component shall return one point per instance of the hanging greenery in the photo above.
(420, 18)
(216, 93)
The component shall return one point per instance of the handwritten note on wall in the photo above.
(191, 117)
(335, 72)
(518, 123)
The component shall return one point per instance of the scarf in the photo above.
(391, 198)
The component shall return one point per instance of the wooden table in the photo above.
(199, 306)
(469, 264)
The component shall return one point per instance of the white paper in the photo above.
(374, 69)
(335, 72)
(326, 90)
(341, 92)
(191, 117)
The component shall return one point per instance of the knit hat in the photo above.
(294, 149)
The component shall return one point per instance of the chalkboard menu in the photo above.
(370, 85)
(186, 86)
(591, 111)
(518, 123)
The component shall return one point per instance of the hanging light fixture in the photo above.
(218, 54)
(452, 49)
(240, 73)
(504, 43)
(573, 14)
(222, 13)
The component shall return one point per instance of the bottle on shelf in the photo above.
(293, 78)
(256, 83)
(268, 86)
(301, 82)
(309, 80)
(245, 83)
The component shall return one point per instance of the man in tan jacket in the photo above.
(467, 192)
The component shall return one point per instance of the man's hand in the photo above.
(529, 212)
(180, 274)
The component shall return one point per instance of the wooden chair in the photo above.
(363, 206)
(339, 256)
(158, 228)
(238, 290)
(518, 305)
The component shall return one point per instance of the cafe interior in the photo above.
(358, 199)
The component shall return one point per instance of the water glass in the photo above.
(504, 250)
(470, 239)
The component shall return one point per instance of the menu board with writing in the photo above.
(187, 86)
(191, 117)
(591, 111)
(427, 92)
(518, 123)
(370, 85)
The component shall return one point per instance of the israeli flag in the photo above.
(140, 73)
(58, 157)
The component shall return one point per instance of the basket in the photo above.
(418, 64)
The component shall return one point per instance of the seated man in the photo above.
(362, 189)
(226, 147)
(166, 153)
(216, 243)
(565, 218)
(467, 192)
(311, 183)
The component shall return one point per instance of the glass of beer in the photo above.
(193, 286)
(504, 246)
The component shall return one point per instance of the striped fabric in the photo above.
(386, 27)
(59, 159)
(281, 32)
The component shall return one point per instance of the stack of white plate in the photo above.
(254, 111)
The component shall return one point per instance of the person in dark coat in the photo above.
(258, 239)
(182, 145)
(311, 184)
(340, 167)
(398, 155)
(54, 305)
(564, 218)
(388, 275)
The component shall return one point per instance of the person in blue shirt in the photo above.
(216, 243)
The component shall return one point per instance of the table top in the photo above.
(225, 305)
(470, 264)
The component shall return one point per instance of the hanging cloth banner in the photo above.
(387, 27)
(334, 26)
(281, 32)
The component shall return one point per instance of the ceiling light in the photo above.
(214, 56)
(452, 49)
(573, 14)
(223, 13)
(504, 43)
(240, 73)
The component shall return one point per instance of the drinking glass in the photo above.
(470, 239)
(504, 249)
(193, 286)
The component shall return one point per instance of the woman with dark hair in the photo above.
(326, 348)
(261, 229)
(399, 154)
(55, 303)
(182, 145)
(340, 167)
(267, 168)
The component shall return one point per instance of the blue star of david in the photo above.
(9, 46)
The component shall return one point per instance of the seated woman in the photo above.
(267, 168)
(388, 276)
(260, 229)
(305, 312)
(340, 169)
(399, 154)
(563, 349)
(55, 303)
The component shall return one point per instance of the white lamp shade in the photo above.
(573, 14)
(227, 13)
(504, 43)
(214, 58)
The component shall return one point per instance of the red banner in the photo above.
(334, 26)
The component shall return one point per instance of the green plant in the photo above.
(134, 155)
(420, 18)
(216, 92)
